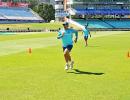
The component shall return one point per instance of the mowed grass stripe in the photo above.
(19, 44)
(15, 46)
(26, 35)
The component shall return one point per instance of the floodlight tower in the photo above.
(67, 7)
(62, 9)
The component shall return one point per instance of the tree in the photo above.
(33, 3)
(47, 12)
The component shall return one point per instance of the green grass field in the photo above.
(101, 71)
(52, 26)
(32, 26)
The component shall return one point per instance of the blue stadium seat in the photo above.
(18, 14)
(119, 23)
(105, 23)
(94, 23)
(103, 11)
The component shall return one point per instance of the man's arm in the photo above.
(60, 35)
(89, 34)
(76, 35)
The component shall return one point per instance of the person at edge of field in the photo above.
(66, 35)
(86, 33)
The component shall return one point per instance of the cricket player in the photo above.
(86, 33)
(66, 35)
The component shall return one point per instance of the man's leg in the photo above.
(86, 41)
(71, 62)
(67, 58)
(66, 55)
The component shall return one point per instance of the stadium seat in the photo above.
(103, 11)
(15, 13)
(105, 23)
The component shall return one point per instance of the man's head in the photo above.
(66, 25)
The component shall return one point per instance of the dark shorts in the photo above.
(69, 47)
(85, 37)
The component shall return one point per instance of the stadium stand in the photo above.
(94, 23)
(104, 14)
(119, 23)
(105, 23)
(103, 11)
(18, 14)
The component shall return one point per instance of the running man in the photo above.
(66, 35)
(86, 33)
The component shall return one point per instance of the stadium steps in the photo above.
(35, 14)
(18, 15)
(2, 16)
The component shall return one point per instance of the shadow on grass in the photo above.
(77, 71)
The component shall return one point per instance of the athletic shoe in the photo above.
(67, 67)
(71, 64)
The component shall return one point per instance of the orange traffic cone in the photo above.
(128, 55)
(30, 50)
